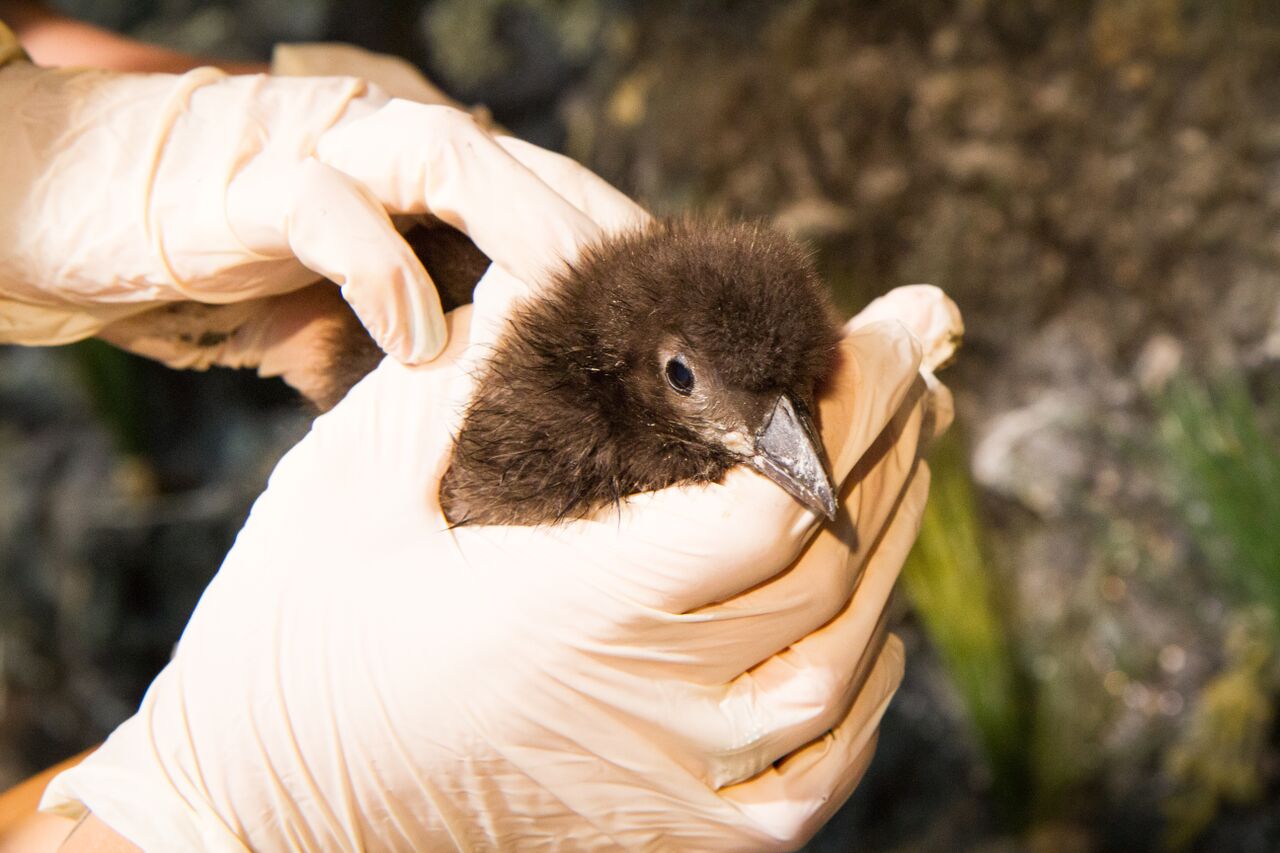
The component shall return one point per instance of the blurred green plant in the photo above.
(949, 581)
(110, 380)
(1227, 467)
(1228, 471)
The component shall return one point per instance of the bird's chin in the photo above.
(788, 451)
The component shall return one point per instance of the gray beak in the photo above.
(787, 450)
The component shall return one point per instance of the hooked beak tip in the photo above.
(788, 451)
(828, 505)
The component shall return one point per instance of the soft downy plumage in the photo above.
(662, 355)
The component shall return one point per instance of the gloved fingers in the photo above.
(791, 800)
(940, 408)
(927, 312)
(605, 205)
(395, 76)
(418, 158)
(693, 545)
(801, 692)
(934, 319)
(337, 229)
(290, 336)
(886, 360)
(771, 616)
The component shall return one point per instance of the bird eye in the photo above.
(679, 376)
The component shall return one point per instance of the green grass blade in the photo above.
(949, 581)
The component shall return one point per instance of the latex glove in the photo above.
(394, 75)
(125, 193)
(701, 669)
(289, 335)
(603, 204)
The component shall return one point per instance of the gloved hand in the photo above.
(702, 669)
(125, 193)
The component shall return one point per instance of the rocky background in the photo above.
(1096, 184)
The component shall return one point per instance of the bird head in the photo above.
(715, 339)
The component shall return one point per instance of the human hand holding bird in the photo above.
(665, 669)
(703, 655)
(178, 215)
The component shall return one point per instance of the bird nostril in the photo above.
(679, 375)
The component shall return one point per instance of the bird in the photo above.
(662, 355)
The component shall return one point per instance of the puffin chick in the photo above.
(664, 355)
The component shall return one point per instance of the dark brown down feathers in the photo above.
(572, 412)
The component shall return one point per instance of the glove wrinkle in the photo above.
(169, 114)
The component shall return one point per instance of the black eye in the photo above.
(679, 376)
